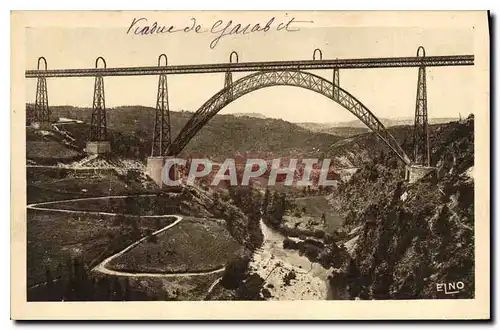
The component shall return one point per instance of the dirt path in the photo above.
(101, 268)
(39, 206)
(74, 168)
(212, 287)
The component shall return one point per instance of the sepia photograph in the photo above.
(229, 157)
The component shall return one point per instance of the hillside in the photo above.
(402, 238)
(131, 128)
(357, 150)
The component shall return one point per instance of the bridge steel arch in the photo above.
(263, 79)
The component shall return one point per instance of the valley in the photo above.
(100, 229)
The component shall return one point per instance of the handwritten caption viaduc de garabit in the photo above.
(219, 28)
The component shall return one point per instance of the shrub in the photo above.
(289, 244)
(319, 233)
(250, 288)
(288, 277)
(314, 243)
(312, 252)
(329, 238)
(235, 272)
(266, 293)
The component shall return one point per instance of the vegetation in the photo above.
(129, 128)
(235, 272)
(277, 204)
(155, 204)
(193, 245)
(72, 281)
(238, 278)
(50, 184)
(241, 208)
(55, 236)
(413, 236)
(409, 237)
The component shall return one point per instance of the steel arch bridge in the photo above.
(297, 78)
(264, 74)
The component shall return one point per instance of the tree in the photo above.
(353, 279)
(48, 279)
(265, 202)
(216, 199)
(278, 209)
(127, 294)
(234, 272)
(117, 290)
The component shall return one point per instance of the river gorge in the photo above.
(274, 263)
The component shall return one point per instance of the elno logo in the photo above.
(451, 287)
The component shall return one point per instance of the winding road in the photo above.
(101, 267)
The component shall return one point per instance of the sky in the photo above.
(388, 93)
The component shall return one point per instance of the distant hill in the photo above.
(131, 131)
(250, 114)
(344, 131)
(356, 127)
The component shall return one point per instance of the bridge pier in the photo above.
(98, 147)
(41, 125)
(417, 172)
(98, 142)
(155, 170)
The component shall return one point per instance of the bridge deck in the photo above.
(390, 62)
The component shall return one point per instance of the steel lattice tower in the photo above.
(162, 133)
(98, 128)
(421, 129)
(41, 112)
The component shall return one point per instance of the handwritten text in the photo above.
(220, 29)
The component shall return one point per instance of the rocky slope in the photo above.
(405, 239)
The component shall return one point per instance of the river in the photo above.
(272, 262)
